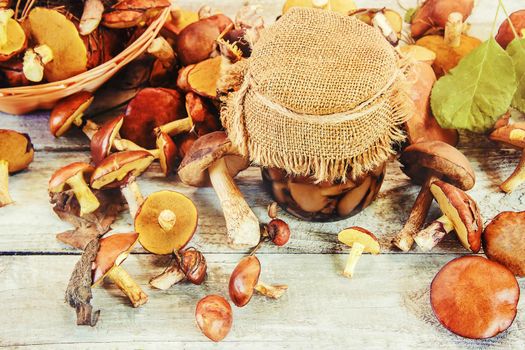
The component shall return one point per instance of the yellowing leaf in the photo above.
(476, 92)
(516, 50)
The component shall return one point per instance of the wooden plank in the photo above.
(385, 305)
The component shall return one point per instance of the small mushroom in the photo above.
(433, 15)
(212, 158)
(120, 170)
(167, 153)
(161, 49)
(34, 62)
(189, 264)
(514, 135)
(460, 213)
(111, 254)
(474, 297)
(204, 76)
(166, 222)
(424, 163)
(69, 111)
(73, 176)
(361, 241)
(504, 241)
(214, 317)
(16, 153)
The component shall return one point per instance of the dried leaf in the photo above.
(477, 92)
(516, 50)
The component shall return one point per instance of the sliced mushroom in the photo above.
(460, 213)
(16, 153)
(73, 177)
(212, 158)
(111, 254)
(69, 111)
(504, 241)
(361, 241)
(166, 222)
(424, 163)
(189, 264)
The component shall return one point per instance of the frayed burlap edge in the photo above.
(234, 88)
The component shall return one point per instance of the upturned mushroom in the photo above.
(513, 135)
(73, 177)
(213, 159)
(214, 317)
(16, 153)
(504, 241)
(69, 111)
(460, 213)
(189, 264)
(166, 222)
(474, 297)
(120, 170)
(424, 163)
(361, 241)
(112, 252)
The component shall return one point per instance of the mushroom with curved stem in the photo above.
(69, 111)
(361, 241)
(112, 252)
(424, 163)
(16, 153)
(166, 221)
(189, 264)
(73, 176)
(214, 317)
(212, 158)
(120, 170)
(460, 213)
(514, 135)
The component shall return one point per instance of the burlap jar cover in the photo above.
(323, 95)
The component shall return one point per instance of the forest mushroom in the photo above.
(418, 53)
(120, 170)
(13, 39)
(433, 15)
(424, 163)
(189, 264)
(451, 47)
(506, 34)
(167, 153)
(203, 77)
(73, 176)
(166, 222)
(112, 252)
(460, 213)
(34, 62)
(389, 22)
(214, 317)
(514, 135)
(422, 126)
(161, 49)
(132, 13)
(12, 74)
(361, 241)
(91, 16)
(212, 158)
(69, 111)
(504, 241)
(474, 297)
(16, 153)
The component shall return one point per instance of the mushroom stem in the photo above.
(5, 198)
(171, 275)
(353, 258)
(34, 62)
(131, 193)
(126, 284)
(241, 223)
(429, 237)
(86, 199)
(162, 50)
(381, 22)
(176, 127)
(91, 16)
(274, 291)
(517, 177)
(167, 219)
(90, 129)
(404, 239)
(127, 145)
(453, 29)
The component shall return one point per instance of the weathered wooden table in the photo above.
(386, 305)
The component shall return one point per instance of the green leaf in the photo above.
(477, 91)
(516, 50)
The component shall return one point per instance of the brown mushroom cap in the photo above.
(67, 110)
(462, 211)
(214, 317)
(16, 149)
(203, 153)
(351, 235)
(421, 159)
(112, 252)
(474, 297)
(243, 280)
(511, 134)
(168, 153)
(59, 178)
(102, 140)
(153, 237)
(114, 170)
(504, 241)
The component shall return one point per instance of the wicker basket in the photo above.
(25, 99)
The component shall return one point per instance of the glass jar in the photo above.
(325, 201)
